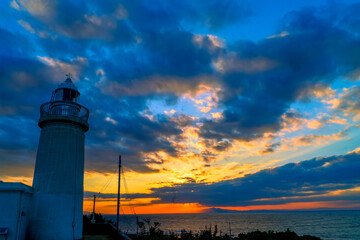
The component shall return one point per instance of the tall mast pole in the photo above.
(118, 197)
(93, 215)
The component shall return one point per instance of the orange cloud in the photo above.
(25, 180)
(307, 140)
(356, 150)
(326, 119)
(206, 98)
(291, 121)
(217, 115)
(314, 124)
(333, 103)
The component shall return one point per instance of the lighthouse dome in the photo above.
(68, 84)
(66, 91)
(64, 104)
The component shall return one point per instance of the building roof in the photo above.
(15, 186)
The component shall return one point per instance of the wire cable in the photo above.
(127, 192)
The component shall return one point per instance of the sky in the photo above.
(239, 105)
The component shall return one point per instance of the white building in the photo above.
(15, 200)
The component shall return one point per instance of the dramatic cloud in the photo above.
(279, 71)
(349, 103)
(311, 180)
(183, 92)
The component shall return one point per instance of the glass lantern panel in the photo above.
(67, 95)
(74, 96)
(76, 99)
(59, 95)
(70, 95)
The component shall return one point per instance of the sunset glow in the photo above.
(236, 105)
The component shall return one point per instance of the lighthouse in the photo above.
(57, 202)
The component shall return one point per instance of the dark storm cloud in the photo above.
(24, 86)
(17, 146)
(344, 15)
(26, 81)
(164, 14)
(20, 46)
(162, 61)
(169, 51)
(217, 14)
(118, 124)
(304, 181)
(121, 21)
(174, 52)
(172, 63)
(146, 51)
(78, 20)
(316, 51)
(118, 127)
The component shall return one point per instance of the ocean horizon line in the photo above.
(242, 211)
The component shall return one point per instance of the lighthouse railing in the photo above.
(64, 108)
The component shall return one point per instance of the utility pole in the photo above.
(93, 215)
(230, 229)
(137, 227)
(118, 197)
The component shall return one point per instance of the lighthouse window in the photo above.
(67, 95)
(74, 96)
(70, 95)
(59, 95)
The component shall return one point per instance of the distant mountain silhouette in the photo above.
(219, 210)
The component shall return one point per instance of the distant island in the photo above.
(220, 210)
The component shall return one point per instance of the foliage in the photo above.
(86, 219)
(98, 219)
(271, 235)
(141, 226)
(155, 233)
(186, 235)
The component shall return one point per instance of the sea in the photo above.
(328, 225)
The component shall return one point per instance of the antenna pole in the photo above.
(93, 215)
(118, 197)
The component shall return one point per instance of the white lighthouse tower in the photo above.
(57, 207)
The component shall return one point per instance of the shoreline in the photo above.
(324, 224)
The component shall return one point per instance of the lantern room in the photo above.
(64, 102)
(66, 91)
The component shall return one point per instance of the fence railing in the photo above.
(64, 108)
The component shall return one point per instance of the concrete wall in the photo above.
(58, 183)
(15, 201)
